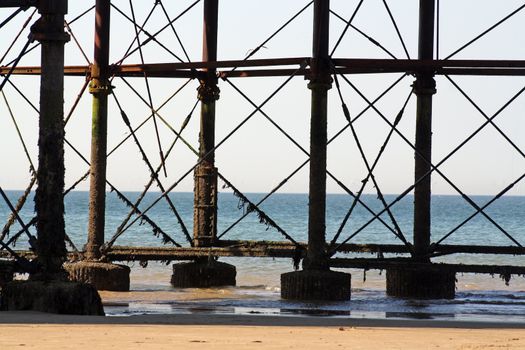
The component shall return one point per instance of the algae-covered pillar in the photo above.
(425, 282)
(206, 272)
(316, 281)
(48, 289)
(102, 275)
(49, 197)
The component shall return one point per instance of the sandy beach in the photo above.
(30, 330)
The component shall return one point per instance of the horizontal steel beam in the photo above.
(343, 66)
(428, 65)
(384, 264)
(275, 249)
(82, 71)
(163, 254)
(165, 67)
(393, 248)
(18, 3)
(285, 251)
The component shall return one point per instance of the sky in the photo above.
(258, 157)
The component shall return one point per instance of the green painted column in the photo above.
(100, 88)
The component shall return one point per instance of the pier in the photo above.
(112, 86)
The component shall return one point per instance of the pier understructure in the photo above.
(147, 49)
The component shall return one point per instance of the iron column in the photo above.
(316, 281)
(205, 210)
(320, 83)
(424, 88)
(423, 282)
(206, 272)
(100, 88)
(49, 197)
(93, 270)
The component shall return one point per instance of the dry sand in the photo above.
(29, 330)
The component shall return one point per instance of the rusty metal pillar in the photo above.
(427, 282)
(206, 272)
(205, 204)
(93, 270)
(48, 290)
(49, 198)
(316, 281)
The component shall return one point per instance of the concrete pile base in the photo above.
(52, 296)
(316, 285)
(425, 283)
(203, 274)
(103, 276)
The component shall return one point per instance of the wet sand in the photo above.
(30, 330)
(208, 330)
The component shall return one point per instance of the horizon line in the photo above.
(296, 193)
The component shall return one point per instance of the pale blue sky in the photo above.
(258, 157)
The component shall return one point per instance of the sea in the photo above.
(478, 297)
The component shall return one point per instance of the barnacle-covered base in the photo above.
(322, 285)
(59, 297)
(203, 273)
(421, 283)
(103, 276)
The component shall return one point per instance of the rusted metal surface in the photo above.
(205, 175)
(49, 201)
(100, 88)
(427, 63)
(343, 65)
(37, 70)
(205, 206)
(171, 253)
(424, 88)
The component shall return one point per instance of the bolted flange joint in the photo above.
(319, 76)
(100, 87)
(424, 85)
(321, 84)
(320, 80)
(208, 91)
(49, 28)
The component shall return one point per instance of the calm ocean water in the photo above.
(479, 297)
